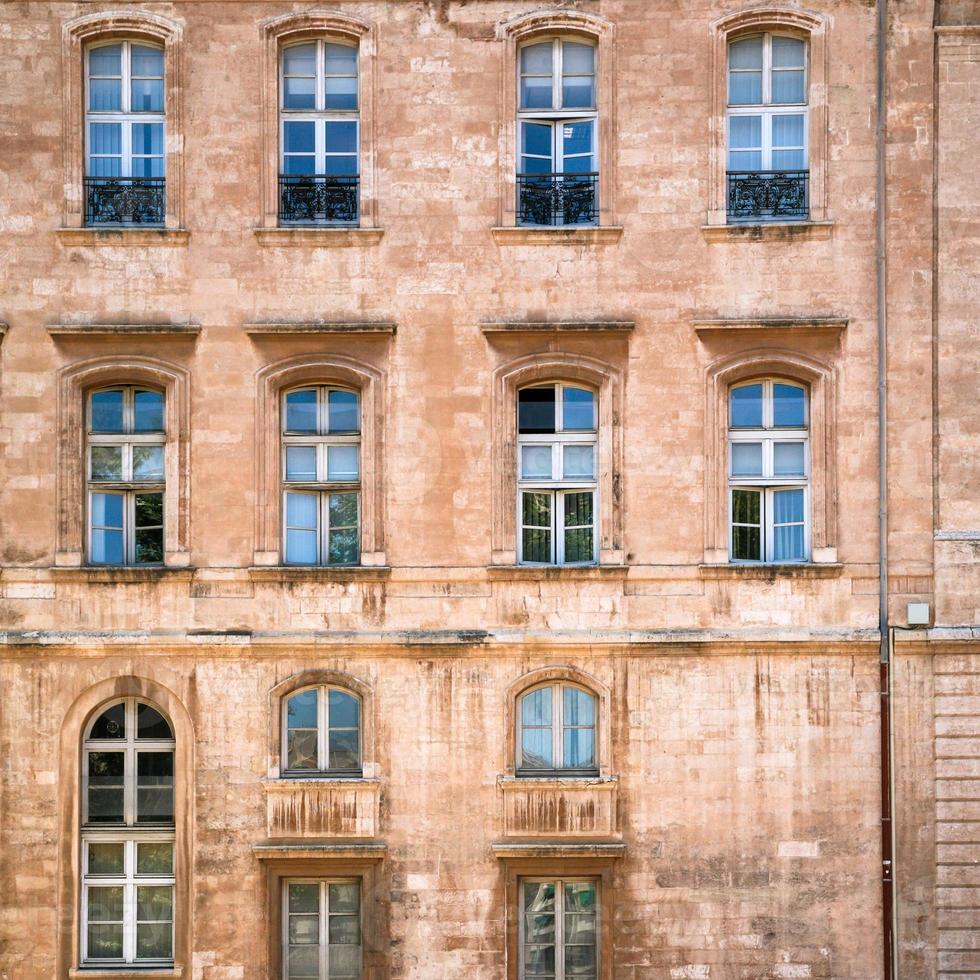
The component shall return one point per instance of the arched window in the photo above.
(768, 174)
(124, 133)
(126, 475)
(557, 486)
(557, 180)
(768, 471)
(321, 732)
(321, 441)
(557, 730)
(319, 133)
(127, 837)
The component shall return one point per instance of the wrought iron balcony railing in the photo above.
(125, 200)
(768, 195)
(318, 199)
(558, 199)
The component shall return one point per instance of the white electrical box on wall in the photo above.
(918, 614)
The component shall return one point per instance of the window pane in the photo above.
(344, 896)
(301, 510)
(105, 60)
(539, 896)
(536, 545)
(580, 961)
(301, 710)
(105, 904)
(578, 748)
(300, 59)
(300, 547)
(107, 547)
(342, 463)
(744, 132)
(106, 138)
(149, 546)
(579, 545)
(304, 897)
(299, 137)
(536, 707)
(344, 547)
(299, 93)
(341, 138)
(340, 59)
(536, 139)
(536, 59)
(154, 940)
(150, 723)
(789, 406)
(147, 166)
(149, 509)
(340, 166)
(341, 93)
(301, 749)
(343, 510)
(577, 138)
(105, 95)
(746, 53)
(301, 463)
(106, 859)
(343, 411)
(536, 462)
(580, 896)
(304, 929)
(539, 928)
(536, 409)
(787, 131)
(746, 458)
(148, 463)
(787, 506)
(787, 88)
(107, 411)
(104, 167)
(155, 858)
(578, 463)
(154, 903)
(147, 139)
(788, 459)
(746, 506)
(536, 92)
(788, 543)
(344, 930)
(105, 942)
(536, 749)
(746, 407)
(154, 787)
(742, 161)
(111, 723)
(745, 88)
(106, 463)
(787, 52)
(578, 509)
(577, 59)
(746, 544)
(578, 92)
(146, 95)
(344, 710)
(301, 411)
(578, 409)
(304, 962)
(579, 707)
(344, 750)
(148, 411)
(146, 62)
(344, 961)
(105, 787)
(788, 160)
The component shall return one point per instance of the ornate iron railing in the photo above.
(318, 199)
(768, 195)
(125, 200)
(558, 199)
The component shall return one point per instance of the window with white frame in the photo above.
(321, 443)
(557, 181)
(768, 471)
(321, 929)
(557, 730)
(319, 134)
(124, 133)
(127, 837)
(126, 476)
(321, 732)
(556, 466)
(559, 928)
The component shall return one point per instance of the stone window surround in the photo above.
(813, 28)
(127, 24)
(312, 25)
(607, 380)
(558, 673)
(75, 382)
(325, 369)
(77, 718)
(820, 379)
(515, 33)
(333, 678)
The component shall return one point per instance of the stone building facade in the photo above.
(436, 568)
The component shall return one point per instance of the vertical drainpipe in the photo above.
(889, 960)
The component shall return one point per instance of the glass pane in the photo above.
(746, 407)
(578, 463)
(787, 506)
(788, 160)
(787, 88)
(578, 748)
(340, 166)
(301, 463)
(746, 52)
(149, 546)
(787, 131)
(580, 929)
(536, 749)
(147, 462)
(746, 458)
(745, 88)
(304, 962)
(341, 93)
(539, 896)
(788, 543)
(301, 750)
(578, 165)
(301, 510)
(344, 961)
(787, 52)
(299, 59)
(154, 940)
(577, 59)
(342, 463)
(746, 544)
(342, 138)
(344, 710)
(155, 858)
(579, 545)
(146, 95)
(343, 411)
(536, 92)
(301, 411)
(746, 506)
(580, 896)
(147, 139)
(146, 62)
(105, 95)
(297, 164)
(789, 406)
(149, 509)
(105, 942)
(105, 904)
(534, 165)
(107, 547)
(539, 928)
(576, 138)
(536, 707)
(111, 723)
(105, 60)
(578, 409)
(105, 787)
(107, 411)
(340, 59)
(150, 723)
(536, 545)
(343, 510)
(106, 463)
(300, 547)
(147, 166)
(344, 750)
(537, 509)
(154, 903)
(788, 459)
(148, 411)
(536, 139)
(299, 137)
(304, 929)
(539, 961)
(579, 707)
(154, 787)
(105, 167)
(344, 896)
(578, 92)
(744, 160)
(301, 710)
(536, 59)
(107, 859)
(304, 897)
(344, 929)
(536, 409)
(744, 132)
(578, 509)
(580, 961)
(536, 462)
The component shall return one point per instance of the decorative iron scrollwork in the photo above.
(317, 199)
(558, 199)
(768, 195)
(125, 200)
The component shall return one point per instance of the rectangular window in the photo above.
(321, 929)
(559, 929)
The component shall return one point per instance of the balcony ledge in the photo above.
(558, 235)
(769, 231)
(340, 236)
(770, 573)
(124, 235)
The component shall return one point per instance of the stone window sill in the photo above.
(309, 573)
(336, 237)
(538, 235)
(769, 231)
(126, 973)
(121, 574)
(125, 237)
(771, 572)
(330, 850)
(555, 573)
(555, 782)
(571, 851)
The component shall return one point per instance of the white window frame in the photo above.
(557, 689)
(559, 884)
(323, 915)
(322, 732)
(769, 484)
(557, 486)
(125, 115)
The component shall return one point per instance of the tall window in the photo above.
(767, 128)
(769, 471)
(321, 444)
(559, 929)
(321, 929)
(127, 837)
(124, 125)
(557, 182)
(126, 476)
(557, 731)
(322, 732)
(557, 488)
(319, 176)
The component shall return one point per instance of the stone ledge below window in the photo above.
(319, 573)
(318, 237)
(559, 806)
(366, 851)
(120, 575)
(321, 807)
(126, 973)
(555, 849)
(555, 573)
(771, 572)
(125, 237)
(769, 231)
(539, 235)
